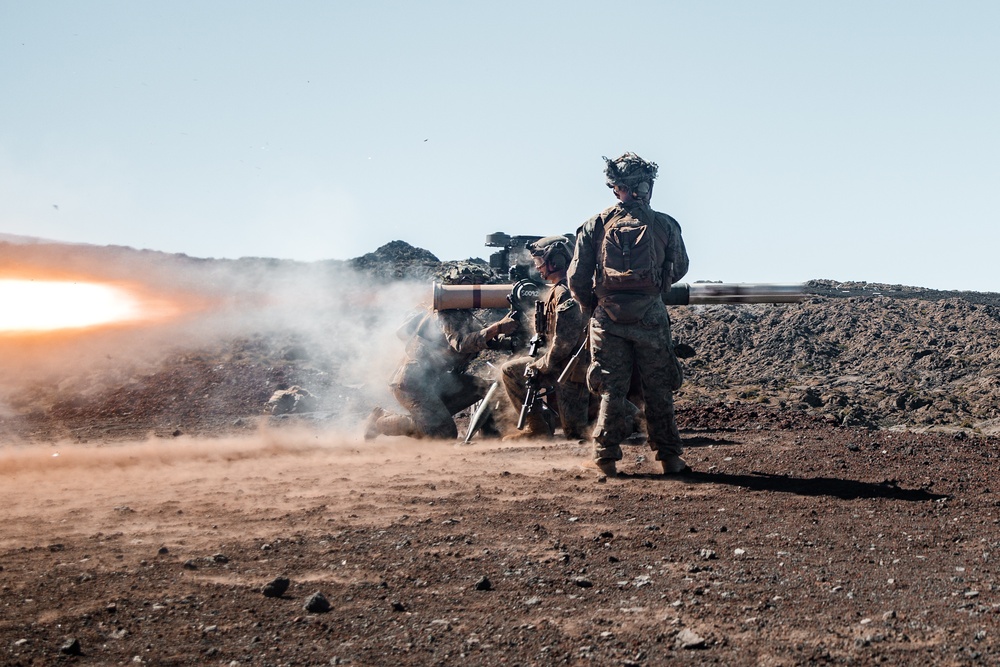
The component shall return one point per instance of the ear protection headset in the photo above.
(554, 251)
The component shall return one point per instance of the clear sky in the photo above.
(796, 139)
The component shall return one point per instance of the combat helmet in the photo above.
(631, 171)
(556, 251)
(465, 273)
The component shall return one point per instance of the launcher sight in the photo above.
(513, 259)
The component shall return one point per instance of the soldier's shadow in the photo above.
(704, 441)
(845, 489)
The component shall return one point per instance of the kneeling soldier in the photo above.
(433, 383)
(565, 331)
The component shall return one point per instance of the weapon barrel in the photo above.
(683, 294)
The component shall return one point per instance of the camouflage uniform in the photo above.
(432, 383)
(566, 332)
(630, 329)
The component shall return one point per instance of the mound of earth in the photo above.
(870, 356)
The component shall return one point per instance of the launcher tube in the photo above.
(683, 294)
(450, 297)
(453, 297)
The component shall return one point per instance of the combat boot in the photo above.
(674, 465)
(371, 424)
(535, 428)
(383, 422)
(608, 467)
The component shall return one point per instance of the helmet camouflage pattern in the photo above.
(631, 171)
(557, 250)
(466, 273)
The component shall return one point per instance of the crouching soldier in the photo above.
(565, 326)
(432, 384)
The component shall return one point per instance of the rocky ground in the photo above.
(856, 354)
(842, 508)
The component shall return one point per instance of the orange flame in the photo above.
(34, 306)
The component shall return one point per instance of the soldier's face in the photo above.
(544, 270)
(623, 194)
(542, 267)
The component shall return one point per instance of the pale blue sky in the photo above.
(796, 139)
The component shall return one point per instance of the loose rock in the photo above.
(689, 639)
(317, 604)
(276, 588)
(71, 647)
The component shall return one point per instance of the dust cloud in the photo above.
(196, 491)
(342, 319)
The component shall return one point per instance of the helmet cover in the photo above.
(631, 171)
(466, 273)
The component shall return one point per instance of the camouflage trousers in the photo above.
(616, 349)
(571, 398)
(432, 397)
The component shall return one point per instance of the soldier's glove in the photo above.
(503, 343)
(538, 366)
(507, 325)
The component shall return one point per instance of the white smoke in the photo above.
(344, 320)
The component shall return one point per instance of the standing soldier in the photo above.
(626, 256)
(565, 327)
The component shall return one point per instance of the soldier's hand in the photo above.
(507, 325)
(539, 366)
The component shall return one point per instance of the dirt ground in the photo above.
(843, 507)
(808, 544)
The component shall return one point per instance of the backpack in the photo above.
(631, 253)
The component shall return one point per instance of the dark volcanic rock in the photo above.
(317, 604)
(865, 359)
(71, 647)
(276, 588)
(397, 260)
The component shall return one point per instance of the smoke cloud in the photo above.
(340, 320)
